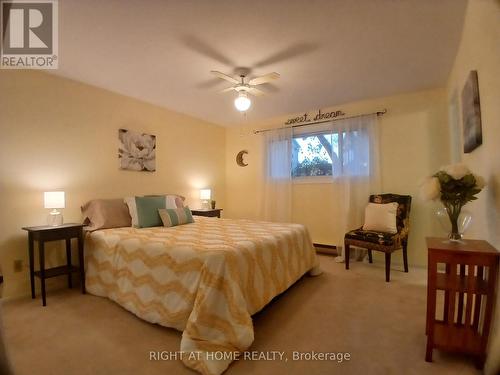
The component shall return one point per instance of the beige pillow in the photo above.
(106, 213)
(381, 217)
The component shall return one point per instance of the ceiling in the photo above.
(328, 52)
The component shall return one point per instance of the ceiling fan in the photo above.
(243, 102)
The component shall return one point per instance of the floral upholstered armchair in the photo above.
(383, 241)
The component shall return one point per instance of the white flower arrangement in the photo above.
(454, 185)
(453, 182)
(430, 189)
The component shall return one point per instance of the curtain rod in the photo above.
(378, 113)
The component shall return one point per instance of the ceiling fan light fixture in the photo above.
(242, 102)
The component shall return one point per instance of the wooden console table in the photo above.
(466, 273)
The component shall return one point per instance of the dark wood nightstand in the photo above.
(468, 284)
(47, 233)
(210, 213)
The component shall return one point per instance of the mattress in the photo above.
(205, 279)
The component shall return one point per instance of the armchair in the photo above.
(382, 241)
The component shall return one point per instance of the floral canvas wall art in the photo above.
(471, 113)
(137, 152)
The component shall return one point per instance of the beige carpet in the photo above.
(380, 324)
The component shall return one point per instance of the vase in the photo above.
(454, 223)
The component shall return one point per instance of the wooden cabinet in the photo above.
(462, 278)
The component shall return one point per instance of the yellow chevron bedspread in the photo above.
(205, 279)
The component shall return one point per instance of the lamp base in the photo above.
(55, 218)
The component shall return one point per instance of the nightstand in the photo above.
(44, 234)
(209, 213)
(467, 291)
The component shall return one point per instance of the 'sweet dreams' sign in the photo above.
(320, 116)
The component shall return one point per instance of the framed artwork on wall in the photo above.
(137, 151)
(471, 113)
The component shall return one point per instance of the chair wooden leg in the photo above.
(370, 259)
(346, 256)
(387, 267)
(405, 257)
(428, 349)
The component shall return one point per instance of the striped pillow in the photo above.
(175, 216)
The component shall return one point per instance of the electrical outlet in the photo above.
(18, 265)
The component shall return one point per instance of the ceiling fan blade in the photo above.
(227, 90)
(209, 83)
(256, 92)
(224, 76)
(291, 52)
(263, 79)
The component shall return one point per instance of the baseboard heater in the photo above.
(326, 249)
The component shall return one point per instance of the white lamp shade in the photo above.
(205, 194)
(242, 102)
(54, 199)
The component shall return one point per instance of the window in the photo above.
(330, 154)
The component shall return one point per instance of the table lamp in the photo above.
(54, 200)
(205, 196)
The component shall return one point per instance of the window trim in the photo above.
(304, 180)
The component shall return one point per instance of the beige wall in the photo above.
(414, 143)
(60, 134)
(480, 50)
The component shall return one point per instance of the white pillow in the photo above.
(132, 209)
(381, 217)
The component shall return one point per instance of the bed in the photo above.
(205, 279)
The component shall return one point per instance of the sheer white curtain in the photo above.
(277, 188)
(357, 172)
(353, 147)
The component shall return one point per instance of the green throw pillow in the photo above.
(175, 216)
(147, 211)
